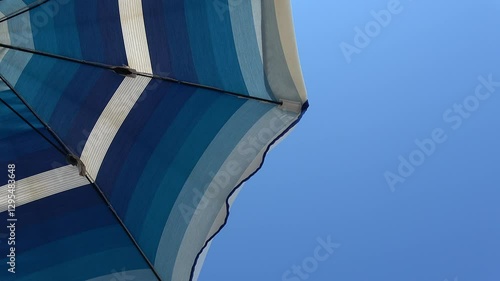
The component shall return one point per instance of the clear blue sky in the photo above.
(415, 80)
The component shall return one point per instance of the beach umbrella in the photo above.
(127, 127)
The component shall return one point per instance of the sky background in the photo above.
(326, 180)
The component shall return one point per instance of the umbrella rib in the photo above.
(124, 70)
(201, 86)
(23, 10)
(129, 234)
(65, 149)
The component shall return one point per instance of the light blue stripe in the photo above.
(247, 47)
(8, 7)
(20, 30)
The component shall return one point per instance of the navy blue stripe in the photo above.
(30, 153)
(178, 43)
(201, 45)
(158, 42)
(101, 42)
(59, 216)
(66, 215)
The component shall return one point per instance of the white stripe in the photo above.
(110, 121)
(134, 35)
(43, 185)
(289, 44)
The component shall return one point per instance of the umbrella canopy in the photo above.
(128, 125)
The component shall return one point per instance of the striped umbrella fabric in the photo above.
(127, 127)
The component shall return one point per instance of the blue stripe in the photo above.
(114, 262)
(68, 42)
(178, 41)
(201, 45)
(158, 42)
(224, 49)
